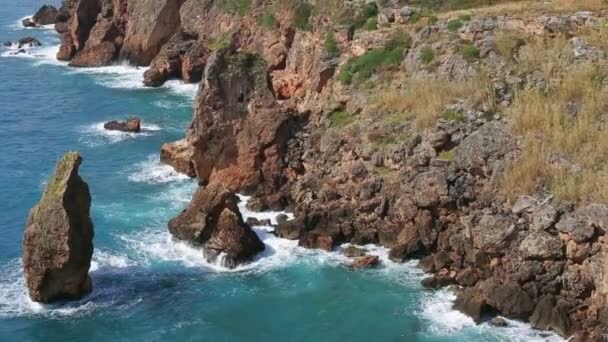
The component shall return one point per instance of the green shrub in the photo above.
(267, 19)
(302, 14)
(454, 25)
(371, 24)
(447, 155)
(427, 54)
(340, 119)
(470, 52)
(331, 45)
(433, 19)
(240, 7)
(363, 67)
(452, 116)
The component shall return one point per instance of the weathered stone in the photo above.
(579, 230)
(541, 245)
(492, 233)
(58, 239)
(179, 155)
(354, 251)
(132, 125)
(213, 221)
(365, 261)
(46, 15)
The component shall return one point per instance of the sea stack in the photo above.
(58, 239)
(213, 220)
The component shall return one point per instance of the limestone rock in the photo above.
(58, 239)
(213, 221)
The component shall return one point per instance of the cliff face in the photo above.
(398, 128)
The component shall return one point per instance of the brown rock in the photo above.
(96, 56)
(58, 239)
(46, 15)
(213, 221)
(131, 125)
(365, 262)
(179, 155)
(354, 251)
(316, 240)
(151, 24)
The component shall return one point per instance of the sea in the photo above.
(147, 286)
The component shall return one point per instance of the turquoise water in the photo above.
(147, 286)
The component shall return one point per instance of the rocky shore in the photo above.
(384, 123)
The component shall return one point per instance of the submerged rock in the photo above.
(27, 22)
(213, 220)
(131, 125)
(28, 42)
(58, 239)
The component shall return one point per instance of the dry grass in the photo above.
(547, 119)
(596, 36)
(520, 7)
(424, 100)
(548, 55)
(507, 42)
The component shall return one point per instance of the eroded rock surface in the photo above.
(58, 239)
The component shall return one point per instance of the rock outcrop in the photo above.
(132, 125)
(213, 221)
(58, 239)
(46, 15)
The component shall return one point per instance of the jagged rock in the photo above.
(578, 230)
(100, 48)
(46, 15)
(179, 155)
(541, 245)
(28, 42)
(290, 229)
(151, 25)
(354, 251)
(479, 152)
(365, 261)
(549, 314)
(213, 220)
(58, 239)
(316, 240)
(27, 22)
(492, 233)
(131, 125)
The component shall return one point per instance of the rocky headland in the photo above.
(471, 140)
(58, 239)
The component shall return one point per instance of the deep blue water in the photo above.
(146, 286)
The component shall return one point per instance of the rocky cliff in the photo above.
(58, 239)
(453, 137)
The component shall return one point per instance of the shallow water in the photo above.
(147, 286)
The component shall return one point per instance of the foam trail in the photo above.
(152, 171)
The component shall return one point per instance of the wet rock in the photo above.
(213, 221)
(28, 23)
(58, 239)
(316, 240)
(549, 314)
(132, 125)
(290, 229)
(28, 42)
(354, 251)
(365, 262)
(499, 322)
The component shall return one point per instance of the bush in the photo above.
(340, 119)
(363, 67)
(267, 19)
(302, 14)
(240, 7)
(453, 116)
(427, 55)
(470, 52)
(371, 24)
(331, 45)
(454, 25)
(447, 155)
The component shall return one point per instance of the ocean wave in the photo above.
(96, 134)
(19, 26)
(436, 308)
(15, 301)
(152, 171)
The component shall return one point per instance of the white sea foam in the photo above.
(15, 301)
(96, 134)
(264, 215)
(152, 171)
(436, 308)
(18, 25)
